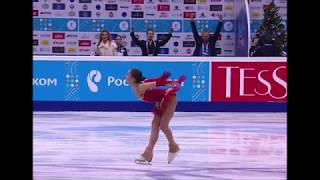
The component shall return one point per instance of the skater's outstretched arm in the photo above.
(175, 82)
(162, 81)
(164, 76)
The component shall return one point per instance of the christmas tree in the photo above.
(271, 25)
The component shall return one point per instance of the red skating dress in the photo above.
(160, 96)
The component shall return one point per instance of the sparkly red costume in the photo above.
(161, 96)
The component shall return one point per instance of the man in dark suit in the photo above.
(206, 43)
(266, 47)
(150, 47)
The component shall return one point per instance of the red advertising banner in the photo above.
(249, 81)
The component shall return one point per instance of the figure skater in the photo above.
(165, 105)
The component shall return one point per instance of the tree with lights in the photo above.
(272, 32)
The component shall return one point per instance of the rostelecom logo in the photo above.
(92, 79)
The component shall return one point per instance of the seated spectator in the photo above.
(105, 46)
(266, 46)
(121, 50)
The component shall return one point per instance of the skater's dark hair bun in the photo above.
(137, 75)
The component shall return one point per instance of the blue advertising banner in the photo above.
(51, 24)
(105, 80)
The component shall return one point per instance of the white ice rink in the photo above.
(214, 146)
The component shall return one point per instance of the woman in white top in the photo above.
(105, 46)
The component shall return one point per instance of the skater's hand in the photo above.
(165, 75)
(181, 79)
(132, 29)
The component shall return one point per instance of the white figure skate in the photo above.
(142, 160)
(171, 156)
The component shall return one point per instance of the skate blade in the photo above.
(142, 162)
